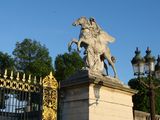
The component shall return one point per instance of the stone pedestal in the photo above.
(90, 96)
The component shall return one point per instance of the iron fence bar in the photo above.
(29, 102)
(10, 107)
(26, 107)
(5, 114)
(19, 105)
(15, 96)
(40, 105)
(13, 103)
(23, 105)
(3, 104)
(1, 95)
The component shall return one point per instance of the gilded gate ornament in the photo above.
(24, 90)
(18, 84)
(50, 86)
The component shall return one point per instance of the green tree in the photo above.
(67, 64)
(6, 62)
(141, 99)
(32, 58)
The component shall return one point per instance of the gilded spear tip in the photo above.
(11, 77)
(35, 80)
(17, 76)
(29, 79)
(24, 77)
(5, 73)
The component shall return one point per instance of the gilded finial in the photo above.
(51, 75)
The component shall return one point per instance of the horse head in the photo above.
(82, 21)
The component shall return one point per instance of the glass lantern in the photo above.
(149, 62)
(138, 63)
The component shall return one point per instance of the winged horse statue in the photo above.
(94, 40)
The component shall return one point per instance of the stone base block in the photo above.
(91, 96)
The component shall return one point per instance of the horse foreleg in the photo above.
(70, 44)
(79, 44)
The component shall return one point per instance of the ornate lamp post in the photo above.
(146, 66)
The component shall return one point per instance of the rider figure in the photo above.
(94, 27)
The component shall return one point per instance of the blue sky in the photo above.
(134, 23)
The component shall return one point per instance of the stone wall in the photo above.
(74, 105)
(112, 104)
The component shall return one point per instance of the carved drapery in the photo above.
(50, 86)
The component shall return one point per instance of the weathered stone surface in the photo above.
(139, 115)
(91, 96)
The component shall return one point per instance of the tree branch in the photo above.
(158, 86)
(143, 83)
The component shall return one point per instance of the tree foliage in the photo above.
(67, 64)
(141, 99)
(6, 62)
(32, 58)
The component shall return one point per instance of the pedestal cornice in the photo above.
(91, 77)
